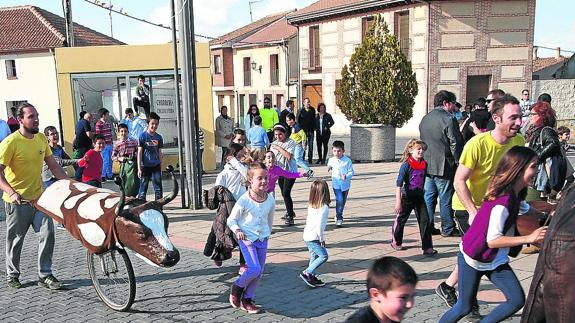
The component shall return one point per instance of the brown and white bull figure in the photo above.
(103, 220)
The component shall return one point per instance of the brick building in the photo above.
(464, 46)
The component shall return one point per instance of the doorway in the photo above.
(477, 87)
(314, 93)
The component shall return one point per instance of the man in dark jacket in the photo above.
(306, 119)
(439, 130)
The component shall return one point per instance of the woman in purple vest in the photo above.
(491, 238)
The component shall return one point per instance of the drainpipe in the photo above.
(286, 57)
(53, 53)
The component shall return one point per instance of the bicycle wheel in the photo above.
(113, 278)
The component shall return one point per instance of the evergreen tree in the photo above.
(378, 86)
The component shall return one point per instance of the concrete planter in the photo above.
(372, 142)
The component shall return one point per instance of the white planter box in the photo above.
(372, 142)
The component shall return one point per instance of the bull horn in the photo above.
(120, 205)
(167, 199)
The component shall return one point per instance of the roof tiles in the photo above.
(29, 28)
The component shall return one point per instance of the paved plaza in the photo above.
(196, 291)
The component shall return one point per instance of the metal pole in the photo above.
(196, 117)
(69, 23)
(188, 95)
(178, 106)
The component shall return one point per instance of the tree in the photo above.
(378, 86)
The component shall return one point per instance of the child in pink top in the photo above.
(275, 172)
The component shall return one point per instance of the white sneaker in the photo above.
(339, 223)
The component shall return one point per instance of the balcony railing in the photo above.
(248, 78)
(274, 76)
(311, 58)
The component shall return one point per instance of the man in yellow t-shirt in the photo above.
(21, 158)
(269, 118)
(480, 157)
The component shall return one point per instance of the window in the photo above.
(253, 98)
(11, 69)
(402, 32)
(314, 49)
(13, 104)
(217, 64)
(274, 70)
(247, 71)
(366, 23)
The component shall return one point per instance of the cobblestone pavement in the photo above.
(196, 291)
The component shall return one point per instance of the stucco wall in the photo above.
(35, 83)
(563, 98)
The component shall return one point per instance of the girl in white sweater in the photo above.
(313, 233)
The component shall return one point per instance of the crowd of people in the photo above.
(480, 163)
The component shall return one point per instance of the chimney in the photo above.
(558, 52)
(535, 48)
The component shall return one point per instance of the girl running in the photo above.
(409, 196)
(486, 245)
(275, 172)
(313, 233)
(251, 220)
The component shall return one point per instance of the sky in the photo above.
(554, 23)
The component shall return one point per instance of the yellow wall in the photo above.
(129, 58)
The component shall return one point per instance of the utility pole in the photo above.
(190, 102)
(250, 3)
(110, 14)
(178, 106)
(67, 4)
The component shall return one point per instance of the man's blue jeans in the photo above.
(340, 199)
(155, 174)
(437, 186)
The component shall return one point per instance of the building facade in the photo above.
(29, 37)
(465, 46)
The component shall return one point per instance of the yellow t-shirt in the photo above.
(482, 154)
(23, 159)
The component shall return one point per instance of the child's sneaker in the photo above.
(310, 173)
(316, 281)
(242, 270)
(339, 223)
(307, 278)
(289, 220)
(247, 304)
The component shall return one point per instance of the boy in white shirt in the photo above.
(342, 171)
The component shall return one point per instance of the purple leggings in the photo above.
(255, 255)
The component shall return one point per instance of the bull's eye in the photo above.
(154, 221)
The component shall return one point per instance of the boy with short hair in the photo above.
(391, 288)
(150, 158)
(564, 136)
(257, 136)
(92, 162)
(124, 152)
(104, 128)
(342, 171)
(298, 135)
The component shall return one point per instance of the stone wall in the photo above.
(563, 98)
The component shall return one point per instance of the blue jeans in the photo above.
(107, 161)
(255, 255)
(298, 156)
(155, 174)
(317, 256)
(340, 199)
(436, 186)
(502, 277)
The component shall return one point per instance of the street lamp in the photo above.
(256, 68)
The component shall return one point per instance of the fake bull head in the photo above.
(103, 219)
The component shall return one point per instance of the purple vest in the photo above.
(475, 239)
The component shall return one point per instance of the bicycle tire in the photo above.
(100, 280)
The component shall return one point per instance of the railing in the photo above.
(311, 58)
(274, 76)
(248, 78)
